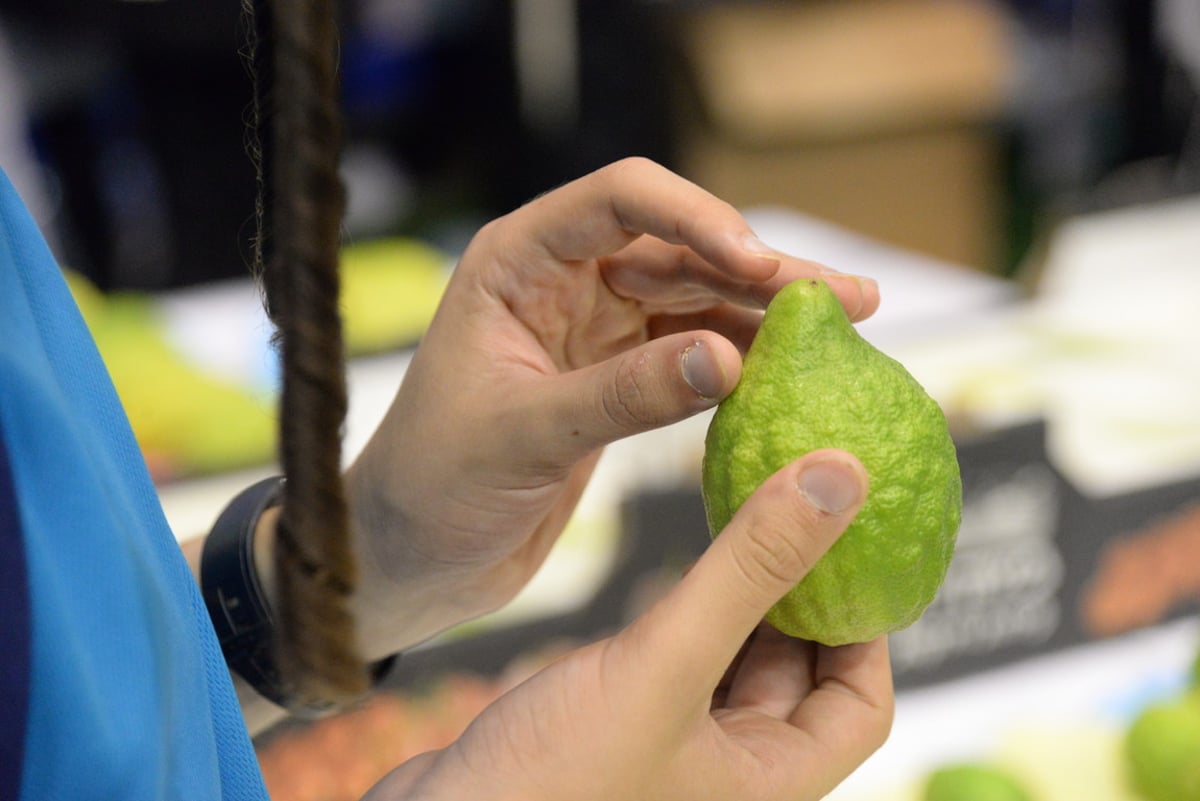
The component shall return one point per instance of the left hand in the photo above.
(615, 304)
(696, 699)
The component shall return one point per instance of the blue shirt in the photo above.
(112, 684)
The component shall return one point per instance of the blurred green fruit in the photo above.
(390, 291)
(182, 417)
(974, 782)
(90, 300)
(1162, 750)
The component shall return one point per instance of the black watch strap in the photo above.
(237, 604)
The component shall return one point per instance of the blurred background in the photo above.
(959, 128)
(1022, 177)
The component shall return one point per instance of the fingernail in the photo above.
(752, 244)
(863, 284)
(831, 486)
(701, 371)
(853, 313)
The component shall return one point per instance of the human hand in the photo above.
(615, 304)
(696, 699)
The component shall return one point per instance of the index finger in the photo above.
(604, 211)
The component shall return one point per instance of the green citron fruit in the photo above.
(1162, 750)
(810, 381)
(974, 782)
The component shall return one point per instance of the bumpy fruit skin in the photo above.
(810, 381)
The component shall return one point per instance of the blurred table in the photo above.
(1057, 719)
(1052, 710)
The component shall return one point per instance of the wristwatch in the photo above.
(237, 603)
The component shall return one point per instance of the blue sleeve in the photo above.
(128, 695)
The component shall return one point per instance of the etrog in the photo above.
(810, 381)
(1162, 749)
(974, 782)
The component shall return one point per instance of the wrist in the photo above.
(238, 585)
(405, 595)
(442, 775)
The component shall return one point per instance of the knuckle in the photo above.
(637, 164)
(772, 554)
(628, 401)
(617, 407)
(489, 233)
(886, 716)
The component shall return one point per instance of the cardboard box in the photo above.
(1135, 559)
(874, 114)
(1007, 590)
(1037, 563)
(1038, 566)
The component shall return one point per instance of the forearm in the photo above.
(392, 611)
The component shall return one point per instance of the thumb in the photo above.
(771, 543)
(658, 383)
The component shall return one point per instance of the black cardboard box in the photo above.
(1007, 587)
(1134, 559)
(1038, 566)
(1006, 590)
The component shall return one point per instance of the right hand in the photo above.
(696, 699)
(613, 305)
